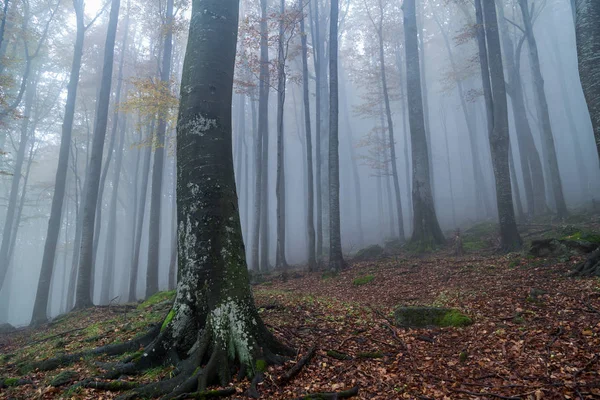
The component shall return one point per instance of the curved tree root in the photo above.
(208, 394)
(345, 394)
(113, 386)
(297, 367)
(590, 267)
(111, 350)
(207, 362)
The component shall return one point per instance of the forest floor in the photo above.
(535, 332)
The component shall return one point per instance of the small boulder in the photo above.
(425, 316)
(7, 328)
(373, 252)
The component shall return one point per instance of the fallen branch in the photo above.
(297, 367)
(331, 395)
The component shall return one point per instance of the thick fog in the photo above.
(36, 54)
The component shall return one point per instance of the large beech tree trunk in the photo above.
(214, 322)
(426, 231)
(587, 28)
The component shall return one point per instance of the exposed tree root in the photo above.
(208, 394)
(199, 364)
(4, 383)
(111, 350)
(297, 367)
(114, 386)
(590, 267)
(345, 394)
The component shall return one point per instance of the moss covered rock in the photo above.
(7, 328)
(63, 378)
(424, 316)
(372, 252)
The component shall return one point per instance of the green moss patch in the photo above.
(63, 378)
(157, 298)
(424, 316)
(585, 236)
(363, 280)
(8, 382)
(261, 365)
(168, 319)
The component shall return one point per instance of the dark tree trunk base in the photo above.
(590, 267)
(207, 361)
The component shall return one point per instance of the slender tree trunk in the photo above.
(515, 186)
(499, 135)
(533, 176)
(159, 161)
(390, 124)
(425, 94)
(310, 226)
(385, 172)
(582, 170)
(543, 113)
(426, 231)
(280, 183)
(407, 171)
(135, 262)
(258, 136)
(587, 28)
(11, 210)
(448, 164)
(318, 60)
(336, 258)
(112, 233)
(484, 207)
(353, 159)
(263, 128)
(2, 30)
(77, 238)
(92, 181)
(118, 127)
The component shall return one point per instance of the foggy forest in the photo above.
(300, 199)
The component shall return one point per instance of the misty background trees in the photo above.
(431, 123)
